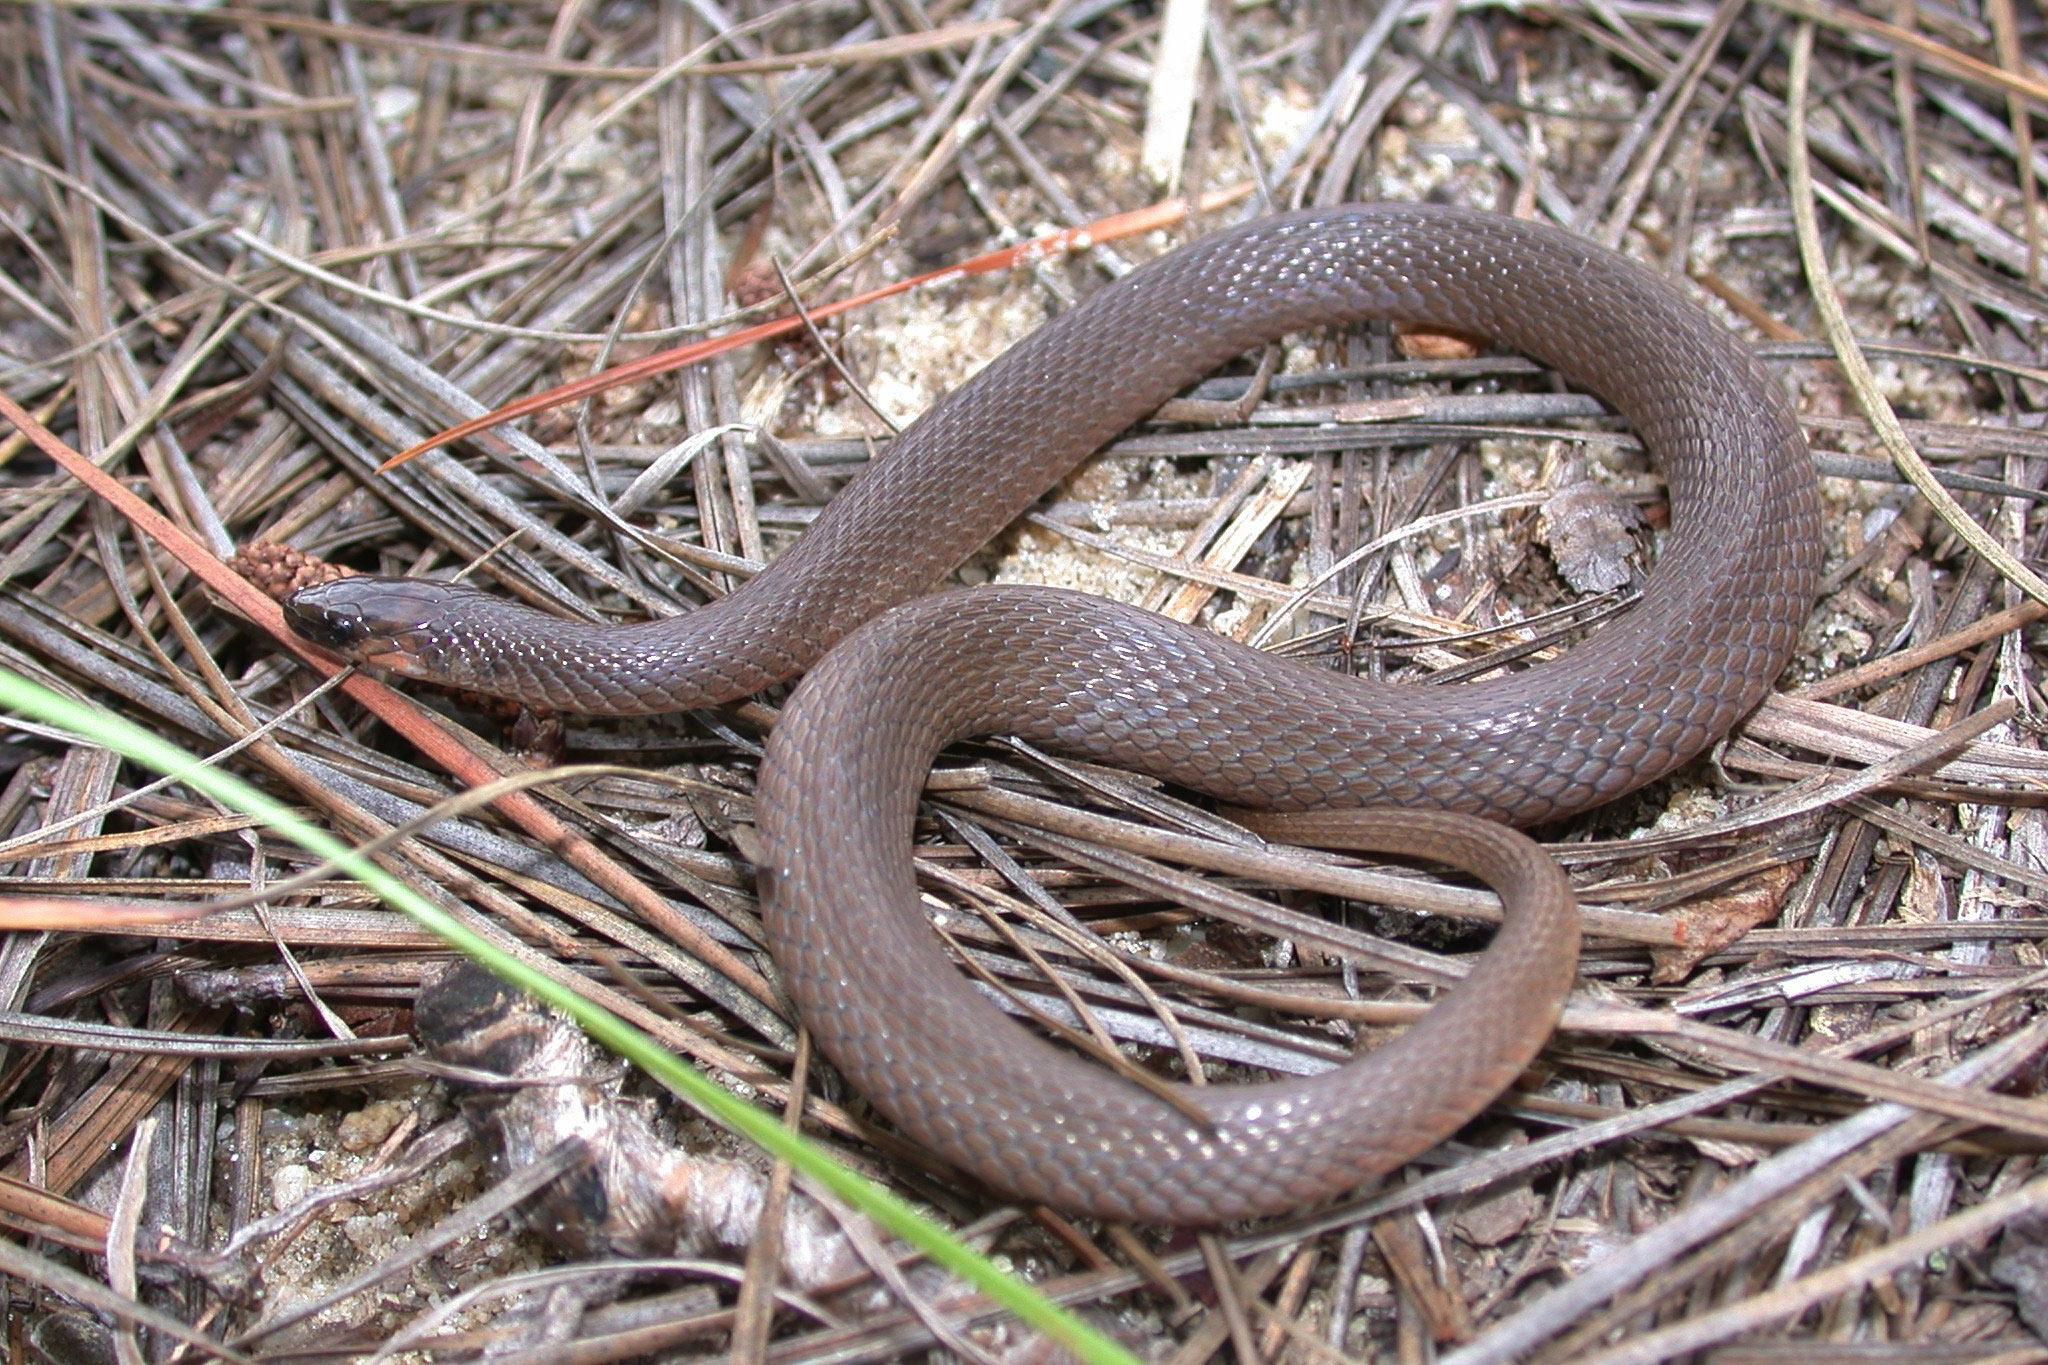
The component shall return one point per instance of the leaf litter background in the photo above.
(250, 252)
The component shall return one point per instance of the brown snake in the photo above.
(839, 786)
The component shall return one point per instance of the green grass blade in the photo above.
(92, 725)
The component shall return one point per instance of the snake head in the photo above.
(401, 624)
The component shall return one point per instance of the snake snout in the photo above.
(313, 616)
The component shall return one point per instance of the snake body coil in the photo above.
(1718, 619)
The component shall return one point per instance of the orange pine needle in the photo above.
(1162, 214)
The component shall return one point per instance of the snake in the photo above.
(893, 671)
